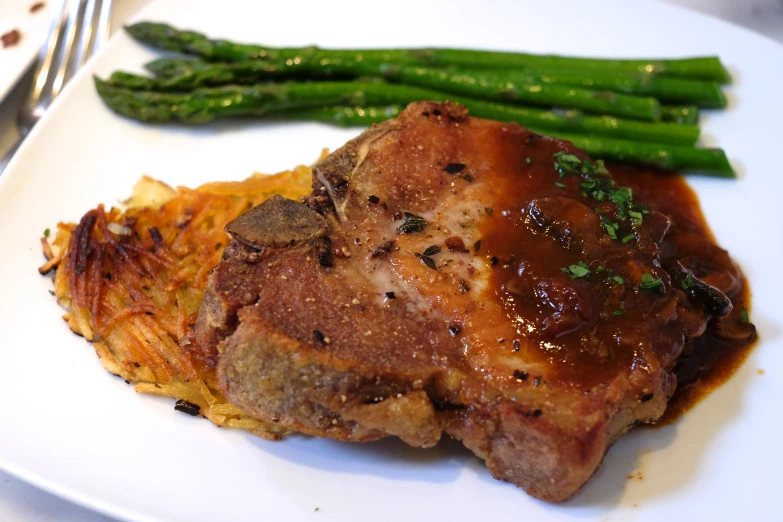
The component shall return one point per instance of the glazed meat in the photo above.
(458, 275)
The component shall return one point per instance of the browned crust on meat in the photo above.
(305, 367)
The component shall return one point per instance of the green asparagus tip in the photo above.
(723, 167)
(133, 29)
(725, 75)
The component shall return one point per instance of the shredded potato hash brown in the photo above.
(132, 282)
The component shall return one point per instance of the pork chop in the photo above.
(459, 275)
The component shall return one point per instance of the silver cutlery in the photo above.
(79, 30)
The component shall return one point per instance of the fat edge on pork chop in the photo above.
(459, 275)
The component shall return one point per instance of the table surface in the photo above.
(20, 502)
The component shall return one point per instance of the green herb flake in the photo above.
(744, 314)
(618, 279)
(560, 185)
(47, 232)
(577, 270)
(618, 312)
(687, 282)
(621, 196)
(636, 218)
(413, 224)
(611, 229)
(567, 163)
(477, 246)
(629, 237)
(609, 225)
(488, 210)
(528, 160)
(652, 284)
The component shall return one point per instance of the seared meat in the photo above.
(444, 276)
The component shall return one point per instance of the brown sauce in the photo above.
(629, 311)
(709, 361)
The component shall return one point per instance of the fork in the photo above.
(81, 27)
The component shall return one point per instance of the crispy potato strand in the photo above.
(132, 282)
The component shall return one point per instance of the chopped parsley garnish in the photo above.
(558, 184)
(629, 237)
(567, 163)
(477, 246)
(598, 185)
(622, 198)
(618, 312)
(47, 232)
(528, 160)
(744, 314)
(609, 275)
(652, 284)
(488, 210)
(578, 270)
(687, 282)
(413, 224)
(610, 226)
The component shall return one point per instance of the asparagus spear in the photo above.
(476, 85)
(687, 115)
(197, 73)
(171, 67)
(342, 116)
(202, 105)
(712, 162)
(706, 94)
(163, 36)
(511, 88)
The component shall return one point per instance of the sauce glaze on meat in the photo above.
(587, 327)
(538, 312)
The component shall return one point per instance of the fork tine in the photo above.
(84, 37)
(45, 68)
(66, 51)
(103, 26)
(81, 27)
(98, 29)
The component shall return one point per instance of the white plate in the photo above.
(15, 14)
(70, 427)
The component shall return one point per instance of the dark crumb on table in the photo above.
(37, 7)
(10, 38)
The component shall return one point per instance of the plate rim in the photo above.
(93, 502)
